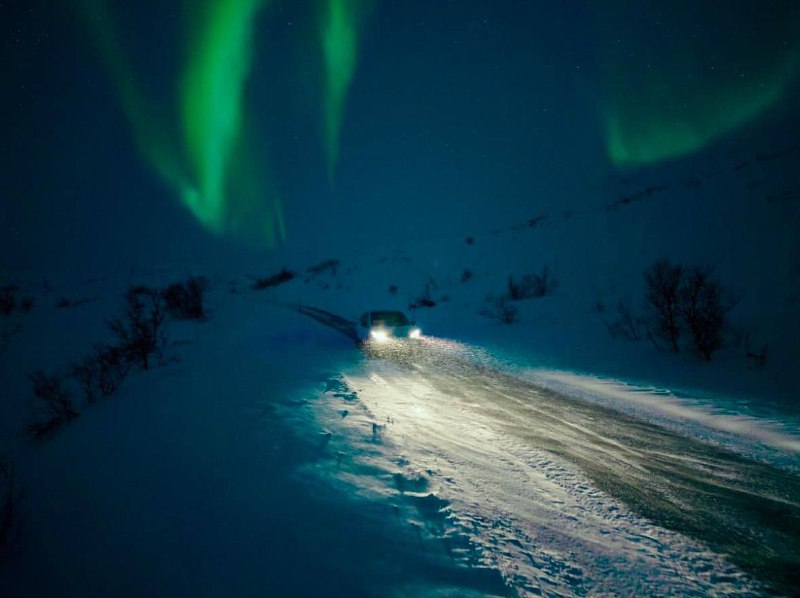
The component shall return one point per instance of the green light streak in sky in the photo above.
(645, 132)
(340, 30)
(150, 132)
(211, 100)
(207, 159)
(681, 74)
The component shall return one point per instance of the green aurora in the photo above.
(212, 91)
(670, 95)
(340, 31)
(149, 130)
(209, 162)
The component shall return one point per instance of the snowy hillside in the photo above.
(269, 455)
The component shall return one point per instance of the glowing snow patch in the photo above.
(674, 412)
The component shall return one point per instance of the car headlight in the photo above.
(379, 335)
(415, 333)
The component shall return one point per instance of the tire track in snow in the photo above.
(563, 496)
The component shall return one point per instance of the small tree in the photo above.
(704, 310)
(500, 308)
(8, 299)
(185, 299)
(140, 330)
(102, 372)
(85, 372)
(52, 406)
(532, 285)
(663, 296)
(628, 325)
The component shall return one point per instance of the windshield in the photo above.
(389, 318)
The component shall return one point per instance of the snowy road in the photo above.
(563, 496)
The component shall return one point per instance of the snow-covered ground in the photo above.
(186, 482)
(509, 475)
(543, 457)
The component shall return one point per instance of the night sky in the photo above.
(138, 131)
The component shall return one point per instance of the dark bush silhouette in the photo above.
(499, 308)
(139, 331)
(184, 300)
(52, 404)
(10, 511)
(426, 298)
(63, 302)
(26, 304)
(663, 297)
(281, 277)
(627, 325)
(466, 275)
(470, 240)
(327, 265)
(101, 373)
(758, 356)
(393, 289)
(8, 299)
(704, 310)
(531, 285)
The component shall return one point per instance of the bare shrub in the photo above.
(285, 275)
(184, 300)
(532, 285)
(8, 299)
(704, 309)
(10, 511)
(331, 266)
(52, 404)
(101, 373)
(628, 325)
(757, 356)
(140, 331)
(425, 299)
(499, 308)
(663, 296)
(599, 304)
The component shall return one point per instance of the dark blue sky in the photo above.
(460, 115)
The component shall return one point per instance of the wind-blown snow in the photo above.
(447, 464)
(776, 441)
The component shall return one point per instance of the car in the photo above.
(380, 326)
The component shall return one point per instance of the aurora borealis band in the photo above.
(205, 157)
(340, 30)
(149, 128)
(212, 92)
(255, 101)
(679, 82)
(204, 151)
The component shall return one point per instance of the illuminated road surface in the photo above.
(564, 497)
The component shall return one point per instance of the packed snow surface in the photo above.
(509, 474)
